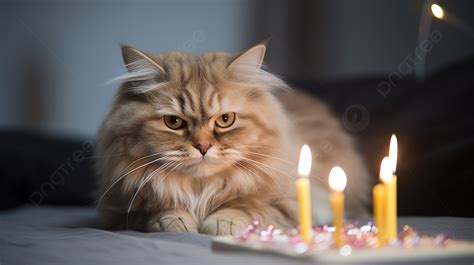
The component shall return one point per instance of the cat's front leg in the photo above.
(226, 221)
(173, 221)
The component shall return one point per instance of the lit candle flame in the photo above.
(393, 152)
(386, 173)
(337, 179)
(304, 166)
(437, 11)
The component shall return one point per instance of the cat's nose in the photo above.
(202, 148)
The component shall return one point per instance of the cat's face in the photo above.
(199, 115)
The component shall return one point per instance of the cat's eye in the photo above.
(225, 120)
(174, 122)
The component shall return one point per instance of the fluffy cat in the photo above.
(208, 143)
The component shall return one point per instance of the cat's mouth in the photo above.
(206, 166)
(206, 161)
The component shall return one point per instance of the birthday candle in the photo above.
(378, 200)
(392, 156)
(304, 194)
(390, 212)
(337, 182)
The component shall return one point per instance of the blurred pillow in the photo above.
(39, 169)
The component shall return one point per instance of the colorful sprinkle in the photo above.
(355, 237)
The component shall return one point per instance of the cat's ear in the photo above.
(144, 73)
(246, 68)
(133, 58)
(250, 59)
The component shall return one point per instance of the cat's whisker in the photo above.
(179, 158)
(126, 174)
(145, 180)
(171, 170)
(259, 146)
(141, 166)
(239, 166)
(174, 152)
(246, 168)
(244, 174)
(260, 154)
(141, 158)
(236, 166)
(265, 165)
(270, 156)
(164, 167)
(239, 153)
(256, 175)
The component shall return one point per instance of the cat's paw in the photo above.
(173, 221)
(225, 222)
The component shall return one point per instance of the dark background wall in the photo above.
(58, 55)
(344, 39)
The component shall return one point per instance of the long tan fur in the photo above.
(153, 178)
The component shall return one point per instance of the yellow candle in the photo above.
(392, 210)
(392, 156)
(337, 182)
(304, 194)
(378, 200)
(390, 201)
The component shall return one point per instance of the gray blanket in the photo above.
(58, 235)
